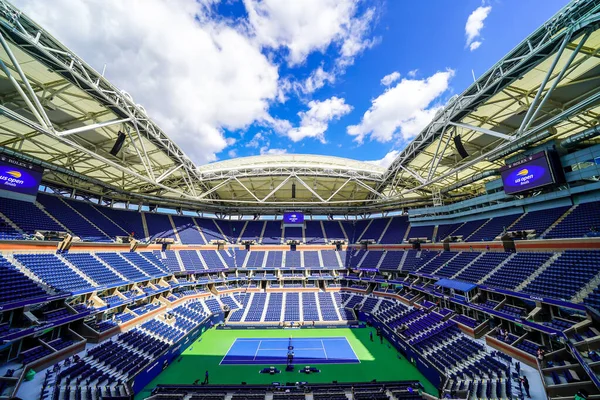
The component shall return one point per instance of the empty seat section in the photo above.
(354, 257)
(274, 307)
(493, 228)
(231, 229)
(274, 259)
(191, 260)
(228, 258)
(292, 259)
(436, 262)
(311, 259)
(256, 307)
(328, 307)
(54, 272)
(396, 230)
(147, 263)
(255, 259)
(240, 257)
(371, 259)
(272, 233)
(459, 262)
(15, 286)
(420, 232)
(28, 216)
(293, 233)
(539, 220)
(187, 230)
(330, 259)
(212, 260)
(517, 269)
(292, 307)
(93, 268)
(483, 266)
(131, 221)
(309, 307)
(123, 266)
(468, 228)
(416, 259)
(313, 232)
(209, 229)
(391, 260)
(567, 275)
(593, 299)
(8, 232)
(71, 219)
(446, 230)
(355, 229)
(375, 229)
(159, 226)
(333, 231)
(107, 225)
(581, 221)
(253, 231)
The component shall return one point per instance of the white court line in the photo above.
(353, 352)
(324, 351)
(257, 349)
(228, 350)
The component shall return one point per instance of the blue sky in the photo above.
(232, 78)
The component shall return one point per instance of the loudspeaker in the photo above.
(459, 147)
(447, 244)
(508, 243)
(293, 190)
(118, 144)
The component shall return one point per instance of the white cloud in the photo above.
(391, 78)
(232, 153)
(256, 140)
(475, 45)
(315, 121)
(402, 111)
(317, 80)
(195, 75)
(303, 27)
(386, 160)
(475, 24)
(412, 73)
(355, 41)
(266, 151)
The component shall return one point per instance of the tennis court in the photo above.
(318, 350)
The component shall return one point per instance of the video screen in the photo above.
(293, 218)
(530, 173)
(19, 180)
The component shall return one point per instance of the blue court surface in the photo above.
(307, 351)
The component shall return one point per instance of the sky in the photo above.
(347, 78)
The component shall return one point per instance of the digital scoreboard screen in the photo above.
(532, 172)
(293, 218)
(19, 180)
